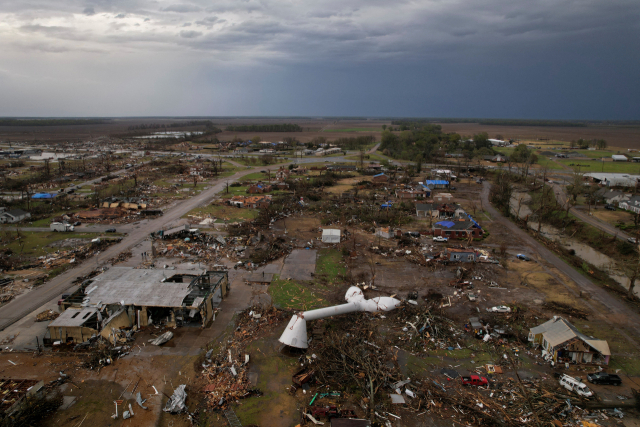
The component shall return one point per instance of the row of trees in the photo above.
(583, 144)
(283, 127)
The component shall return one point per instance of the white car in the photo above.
(499, 309)
(440, 239)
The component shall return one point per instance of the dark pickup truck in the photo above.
(604, 378)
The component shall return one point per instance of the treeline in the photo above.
(284, 127)
(354, 143)
(53, 122)
(495, 122)
(208, 124)
(419, 141)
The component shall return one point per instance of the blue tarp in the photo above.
(380, 174)
(43, 196)
(474, 221)
(447, 224)
(437, 182)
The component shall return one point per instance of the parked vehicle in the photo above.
(499, 309)
(60, 226)
(475, 380)
(440, 239)
(610, 207)
(471, 296)
(77, 223)
(604, 378)
(632, 240)
(62, 298)
(576, 385)
(523, 257)
(110, 230)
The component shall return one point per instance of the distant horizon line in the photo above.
(320, 117)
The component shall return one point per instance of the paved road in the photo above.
(603, 226)
(26, 303)
(375, 148)
(614, 306)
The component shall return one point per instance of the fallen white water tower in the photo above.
(295, 334)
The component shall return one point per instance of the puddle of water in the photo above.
(521, 199)
(586, 253)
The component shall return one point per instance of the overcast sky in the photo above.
(467, 58)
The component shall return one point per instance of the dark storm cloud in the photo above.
(443, 50)
(190, 34)
(182, 8)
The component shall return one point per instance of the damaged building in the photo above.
(123, 297)
(564, 343)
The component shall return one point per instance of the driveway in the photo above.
(602, 226)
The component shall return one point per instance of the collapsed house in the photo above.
(564, 343)
(123, 297)
(14, 392)
(255, 202)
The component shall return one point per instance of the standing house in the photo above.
(380, 178)
(13, 216)
(437, 183)
(632, 204)
(460, 229)
(565, 343)
(619, 158)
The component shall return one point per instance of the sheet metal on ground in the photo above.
(299, 264)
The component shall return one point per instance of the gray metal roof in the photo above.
(73, 317)
(140, 287)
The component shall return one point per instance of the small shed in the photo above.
(330, 236)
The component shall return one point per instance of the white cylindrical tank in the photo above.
(295, 334)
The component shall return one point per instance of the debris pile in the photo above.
(226, 372)
(47, 315)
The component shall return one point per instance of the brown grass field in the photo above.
(616, 136)
(622, 137)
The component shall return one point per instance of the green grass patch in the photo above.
(291, 294)
(257, 176)
(33, 243)
(599, 166)
(329, 265)
(230, 213)
(234, 191)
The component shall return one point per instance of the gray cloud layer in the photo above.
(494, 44)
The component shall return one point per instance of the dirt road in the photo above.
(614, 307)
(603, 226)
(26, 303)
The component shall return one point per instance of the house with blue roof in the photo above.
(437, 183)
(457, 228)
